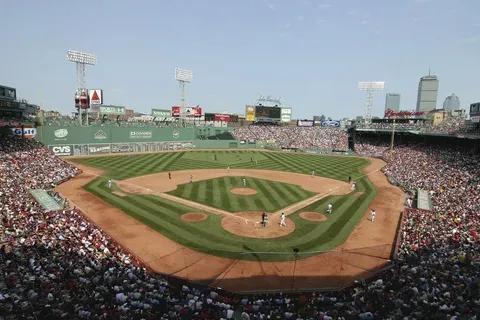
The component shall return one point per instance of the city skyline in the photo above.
(311, 53)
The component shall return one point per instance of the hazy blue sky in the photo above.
(310, 53)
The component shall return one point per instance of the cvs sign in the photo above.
(65, 150)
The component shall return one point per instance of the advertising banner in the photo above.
(221, 117)
(28, 133)
(176, 110)
(250, 113)
(195, 111)
(81, 99)
(161, 113)
(98, 148)
(112, 110)
(330, 123)
(304, 123)
(140, 134)
(62, 150)
(96, 96)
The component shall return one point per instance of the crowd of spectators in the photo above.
(449, 126)
(58, 265)
(289, 137)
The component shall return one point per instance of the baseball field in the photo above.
(211, 203)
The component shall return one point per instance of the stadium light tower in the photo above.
(81, 59)
(370, 87)
(183, 76)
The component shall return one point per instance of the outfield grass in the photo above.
(208, 236)
(271, 195)
(123, 167)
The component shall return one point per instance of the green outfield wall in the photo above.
(73, 140)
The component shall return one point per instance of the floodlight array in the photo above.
(183, 75)
(81, 57)
(371, 85)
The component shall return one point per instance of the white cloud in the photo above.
(300, 18)
(287, 25)
(364, 22)
(271, 6)
(351, 12)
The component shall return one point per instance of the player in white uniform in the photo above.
(329, 208)
(244, 182)
(354, 186)
(109, 183)
(313, 173)
(372, 215)
(283, 223)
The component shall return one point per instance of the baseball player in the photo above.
(191, 178)
(354, 186)
(264, 219)
(313, 173)
(372, 215)
(329, 208)
(169, 176)
(109, 183)
(283, 223)
(244, 182)
(409, 202)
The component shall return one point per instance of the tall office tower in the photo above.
(427, 93)
(392, 101)
(452, 102)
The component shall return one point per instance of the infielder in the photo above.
(329, 208)
(283, 223)
(354, 186)
(313, 173)
(109, 183)
(244, 182)
(372, 215)
(191, 178)
(264, 219)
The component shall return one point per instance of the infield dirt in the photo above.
(366, 250)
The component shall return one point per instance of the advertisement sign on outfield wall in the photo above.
(62, 150)
(98, 148)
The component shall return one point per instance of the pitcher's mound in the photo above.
(313, 216)
(243, 191)
(247, 224)
(193, 217)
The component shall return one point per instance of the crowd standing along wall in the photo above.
(68, 141)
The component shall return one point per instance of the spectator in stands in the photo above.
(58, 265)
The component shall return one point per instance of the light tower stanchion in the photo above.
(81, 60)
(370, 87)
(183, 76)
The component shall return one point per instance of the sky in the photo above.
(310, 53)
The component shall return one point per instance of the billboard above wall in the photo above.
(95, 96)
(187, 112)
(161, 113)
(115, 110)
(250, 113)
